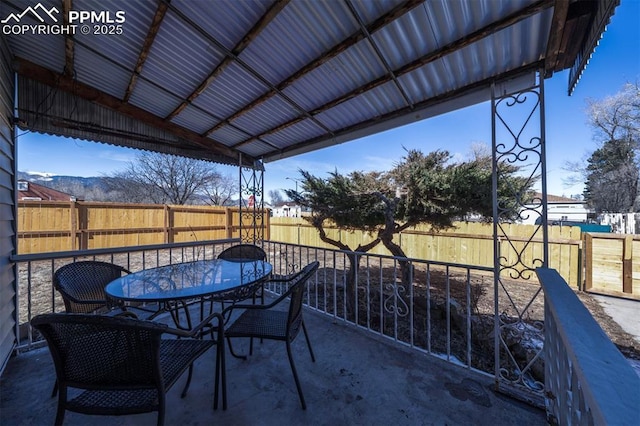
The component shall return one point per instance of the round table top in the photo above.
(188, 280)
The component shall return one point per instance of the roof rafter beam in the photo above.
(375, 47)
(262, 23)
(560, 10)
(146, 47)
(70, 85)
(425, 59)
(69, 45)
(379, 23)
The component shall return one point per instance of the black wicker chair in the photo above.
(81, 285)
(265, 322)
(243, 253)
(122, 365)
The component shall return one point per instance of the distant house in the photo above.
(29, 191)
(286, 210)
(561, 209)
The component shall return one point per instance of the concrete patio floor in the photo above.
(357, 379)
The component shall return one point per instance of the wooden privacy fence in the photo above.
(604, 263)
(49, 226)
(613, 266)
(467, 243)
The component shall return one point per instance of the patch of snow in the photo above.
(43, 176)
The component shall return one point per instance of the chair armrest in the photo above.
(270, 305)
(85, 301)
(282, 278)
(195, 332)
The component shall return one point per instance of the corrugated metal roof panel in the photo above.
(62, 114)
(104, 75)
(193, 57)
(337, 77)
(195, 37)
(305, 129)
(232, 90)
(256, 149)
(301, 32)
(125, 47)
(154, 99)
(38, 48)
(368, 106)
(262, 118)
(369, 11)
(195, 119)
(424, 82)
(226, 24)
(229, 135)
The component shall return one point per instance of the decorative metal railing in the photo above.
(437, 310)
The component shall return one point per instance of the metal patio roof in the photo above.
(238, 81)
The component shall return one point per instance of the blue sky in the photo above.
(569, 138)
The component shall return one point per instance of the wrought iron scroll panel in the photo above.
(251, 203)
(518, 140)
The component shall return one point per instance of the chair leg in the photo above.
(295, 376)
(186, 386)
(232, 352)
(220, 373)
(161, 409)
(306, 337)
(62, 400)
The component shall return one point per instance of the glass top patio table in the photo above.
(180, 281)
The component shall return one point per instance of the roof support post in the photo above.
(518, 140)
(251, 203)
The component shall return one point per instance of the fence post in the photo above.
(267, 226)
(588, 261)
(73, 225)
(168, 224)
(83, 225)
(228, 222)
(627, 266)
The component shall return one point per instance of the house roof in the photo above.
(240, 81)
(35, 191)
(558, 199)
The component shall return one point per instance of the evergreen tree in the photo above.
(419, 189)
